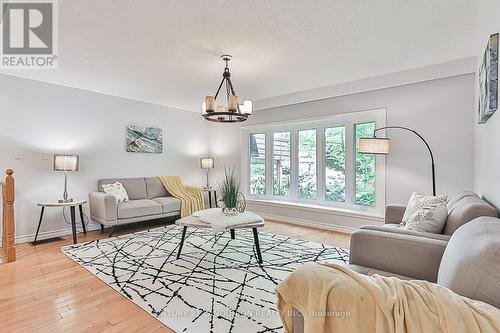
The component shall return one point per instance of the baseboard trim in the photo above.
(51, 234)
(308, 223)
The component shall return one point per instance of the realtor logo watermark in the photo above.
(29, 34)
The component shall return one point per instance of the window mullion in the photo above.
(269, 163)
(350, 180)
(294, 164)
(320, 163)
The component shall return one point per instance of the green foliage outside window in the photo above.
(307, 164)
(365, 168)
(281, 164)
(258, 163)
(335, 164)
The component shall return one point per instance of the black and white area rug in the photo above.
(216, 286)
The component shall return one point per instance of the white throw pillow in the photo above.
(419, 201)
(428, 220)
(117, 190)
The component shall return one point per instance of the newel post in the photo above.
(8, 250)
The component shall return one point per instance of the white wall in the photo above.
(37, 118)
(487, 136)
(225, 147)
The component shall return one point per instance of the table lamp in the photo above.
(207, 163)
(66, 163)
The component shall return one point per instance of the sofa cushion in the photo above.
(155, 188)
(419, 201)
(471, 262)
(430, 220)
(135, 187)
(453, 201)
(136, 208)
(117, 190)
(169, 204)
(466, 209)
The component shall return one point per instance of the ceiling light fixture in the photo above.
(232, 112)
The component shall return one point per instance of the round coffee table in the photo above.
(196, 222)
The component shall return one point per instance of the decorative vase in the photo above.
(232, 211)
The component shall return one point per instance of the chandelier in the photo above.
(232, 112)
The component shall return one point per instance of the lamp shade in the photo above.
(206, 162)
(66, 162)
(246, 107)
(374, 146)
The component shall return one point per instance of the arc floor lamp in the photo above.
(380, 146)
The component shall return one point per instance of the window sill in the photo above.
(317, 208)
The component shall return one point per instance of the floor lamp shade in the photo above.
(66, 162)
(379, 146)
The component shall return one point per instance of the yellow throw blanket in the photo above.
(333, 298)
(191, 197)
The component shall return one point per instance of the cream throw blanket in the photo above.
(335, 299)
(191, 197)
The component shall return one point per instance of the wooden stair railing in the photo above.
(8, 252)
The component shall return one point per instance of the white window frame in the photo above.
(320, 124)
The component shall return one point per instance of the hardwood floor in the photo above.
(44, 291)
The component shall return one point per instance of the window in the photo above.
(365, 168)
(281, 164)
(257, 163)
(335, 164)
(307, 164)
(316, 162)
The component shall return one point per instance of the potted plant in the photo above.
(231, 201)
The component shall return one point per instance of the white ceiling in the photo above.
(167, 52)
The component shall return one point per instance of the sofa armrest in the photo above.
(103, 207)
(408, 255)
(394, 214)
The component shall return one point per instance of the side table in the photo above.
(211, 191)
(72, 205)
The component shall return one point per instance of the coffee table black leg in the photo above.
(81, 218)
(209, 199)
(232, 234)
(257, 246)
(39, 224)
(182, 242)
(73, 223)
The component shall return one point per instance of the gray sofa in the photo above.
(470, 264)
(148, 200)
(390, 250)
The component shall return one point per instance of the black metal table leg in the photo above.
(215, 198)
(232, 234)
(209, 199)
(257, 246)
(81, 218)
(39, 224)
(73, 223)
(182, 242)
